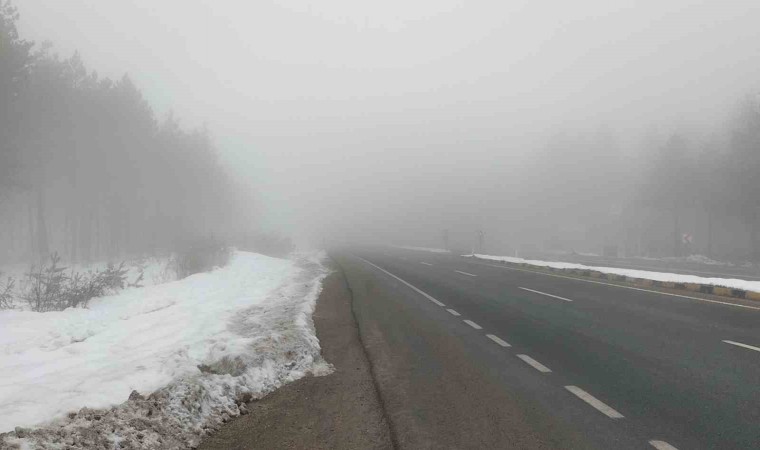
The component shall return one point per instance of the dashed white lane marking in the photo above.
(473, 324)
(454, 313)
(425, 263)
(422, 293)
(661, 445)
(593, 401)
(465, 273)
(620, 286)
(548, 295)
(739, 344)
(498, 340)
(535, 364)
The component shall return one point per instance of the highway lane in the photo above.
(660, 362)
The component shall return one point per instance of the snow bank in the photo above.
(199, 345)
(422, 249)
(731, 283)
(695, 259)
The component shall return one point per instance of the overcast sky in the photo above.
(342, 113)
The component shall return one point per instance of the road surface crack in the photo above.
(373, 375)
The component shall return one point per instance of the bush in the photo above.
(49, 288)
(6, 294)
(45, 285)
(81, 288)
(200, 256)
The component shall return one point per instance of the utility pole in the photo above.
(481, 239)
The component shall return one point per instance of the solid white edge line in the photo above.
(498, 340)
(661, 445)
(425, 263)
(594, 402)
(465, 273)
(738, 305)
(472, 324)
(739, 344)
(548, 295)
(422, 293)
(453, 313)
(535, 364)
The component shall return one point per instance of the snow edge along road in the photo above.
(584, 274)
(179, 414)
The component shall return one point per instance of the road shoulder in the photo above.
(338, 411)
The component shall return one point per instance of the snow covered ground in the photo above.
(732, 283)
(199, 345)
(696, 259)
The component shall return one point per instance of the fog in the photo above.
(552, 125)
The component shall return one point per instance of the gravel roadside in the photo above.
(338, 411)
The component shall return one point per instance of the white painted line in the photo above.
(662, 445)
(548, 295)
(498, 340)
(425, 263)
(454, 313)
(424, 294)
(535, 364)
(619, 286)
(593, 401)
(473, 324)
(465, 273)
(739, 344)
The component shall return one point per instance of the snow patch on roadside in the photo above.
(197, 350)
(732, 283)
(695, 259)
(421, 249)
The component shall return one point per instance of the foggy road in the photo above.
(203, 182)
(472, 355)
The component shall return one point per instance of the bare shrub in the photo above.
(82, 287)
(113, 277)
(49, 288)
(44, 286)
(6, 293)
(201, 256)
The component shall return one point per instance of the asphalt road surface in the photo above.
(467, 354)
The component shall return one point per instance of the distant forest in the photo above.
(673, 194)
(86, 168)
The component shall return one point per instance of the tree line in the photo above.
(86, 168)
(671, 194)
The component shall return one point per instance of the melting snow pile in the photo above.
(732, 283)
(187, 354)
